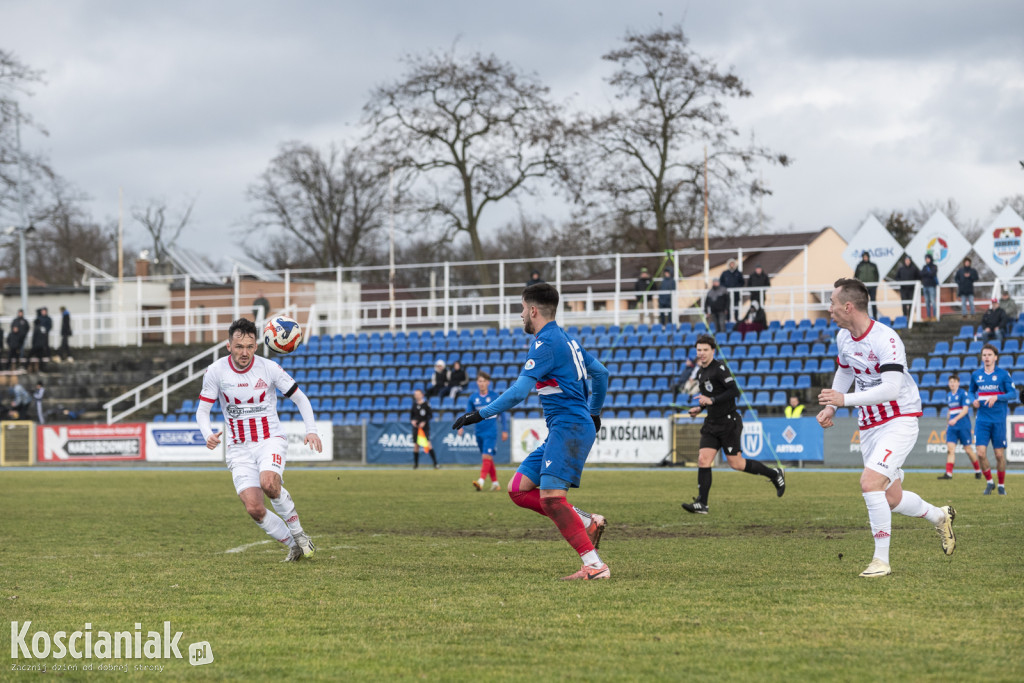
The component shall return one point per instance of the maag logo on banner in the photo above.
(1006, 246)
(753, 438)
(453, 440)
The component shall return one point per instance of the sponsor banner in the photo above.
(940, 238)
(873, 238)
(1001, 244)
(621, 441)
(799, 439)
(392, 442)
(84, 443)
(842, 444)
(295, 431)
(180, 442)
(1015, 440)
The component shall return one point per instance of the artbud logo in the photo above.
(101, 644)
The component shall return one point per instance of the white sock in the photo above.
(880, 517)
(591, 559)
(584, 517)
(286, 508)
(912, 505)
(276, 529)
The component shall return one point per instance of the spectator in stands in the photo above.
(260, 302)
(420, 416)
(41, 327)
(642, 287)
(65, 334)
(907, 274)
(535, 278)
(867, 272)
(795, 409)
(755, 319)
(1011, 310)
(758, 278)
(993, 321)
(37, 397)
(965, 278)
(457, 380)
(439, 381)
(716, 305)
(929, 284)
(732, 279)
(19, 401)
(668, 285)
(16, 340)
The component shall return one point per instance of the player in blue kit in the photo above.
(992, 389)
(958, 427)
(487, 432)
(558, 367)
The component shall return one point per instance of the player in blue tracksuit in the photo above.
(992, 389)
(558, 367)
(487, 431)
(958, 427)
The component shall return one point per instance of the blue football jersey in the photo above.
(558, 364)
(997, 383)
(957, 401)
(489, 427)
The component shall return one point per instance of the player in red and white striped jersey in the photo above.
(246, 386)
(872, 355)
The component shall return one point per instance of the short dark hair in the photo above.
(706, 339)
(483, 373)
(245, 327)
(991, 348)
(854, 291)
(543, 296)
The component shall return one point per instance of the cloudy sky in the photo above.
(882, 104)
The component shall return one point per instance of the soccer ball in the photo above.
(282, 334)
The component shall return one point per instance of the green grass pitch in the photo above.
(419, 576)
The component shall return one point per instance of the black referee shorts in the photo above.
(725, 433)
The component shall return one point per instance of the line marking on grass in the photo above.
(243, 548)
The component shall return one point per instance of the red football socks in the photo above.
(949, 468)
(493, 470)
(557, 508)
(1002, 477)
(525, 499)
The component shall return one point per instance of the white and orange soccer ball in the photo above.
(282, 334)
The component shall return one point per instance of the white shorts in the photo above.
(885, 448)
(247, 460)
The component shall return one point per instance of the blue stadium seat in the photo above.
(803, 382)
(771, 382)
(811, 365)
(929, 411)
(1011, 346)
(941, 348)
(763, 367)
(918, 365)
(966, 332)
(761, 398)
(770, 351)
(952, 364)
(936, 363)
(827, 365)
(928, 380)
(778, 365)
(787, 382)
(971, 363)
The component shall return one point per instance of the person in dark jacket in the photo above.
(440, 381)
(716, 304)
(535, 278)
(65, 334)
(758, 278)
(666, 287)
(907, 274)
(755, 319)
(930, 285)
(867, 272)
(16, 340)
(733, 280)
(41, 327)
(965, 278)
(993, 321)
(457, 380)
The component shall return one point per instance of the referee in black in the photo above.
(723, 426)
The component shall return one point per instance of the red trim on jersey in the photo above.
(548, 383)
(857, 339)
(840, 364)
(873, 416)
(208, 400)
(989, 393)
(231, 364)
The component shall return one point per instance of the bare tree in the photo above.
(63, 230)
(474, 129)
(19, 169)
(163, 232)
(647, 157)
(332, 205)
